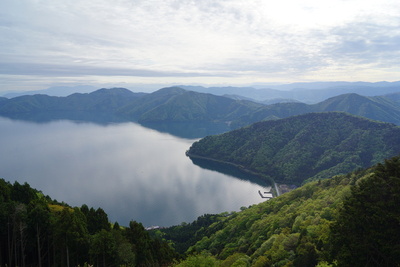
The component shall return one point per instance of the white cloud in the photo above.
(255, 40)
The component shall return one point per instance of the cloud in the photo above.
(184, 38)
(85, 70)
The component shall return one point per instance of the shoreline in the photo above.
(275, 186)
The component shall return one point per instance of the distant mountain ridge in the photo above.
(310, 93)
(179, 105)
(102, 99)
(55, 91)
(381, 108)
(174, 104)
(313, 145)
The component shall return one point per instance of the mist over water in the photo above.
(132, 172)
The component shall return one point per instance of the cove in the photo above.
(130, 171)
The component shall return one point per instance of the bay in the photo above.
(130, 171)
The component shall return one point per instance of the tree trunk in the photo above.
(10, 246)
(38, 246)
(67, 256)
(21, 230)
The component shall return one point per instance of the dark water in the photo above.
(132, 172)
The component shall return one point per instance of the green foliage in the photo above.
(367, 229)
(290, 230)
(385, 109)
(177, 105)
(37, 231)
(306, 147)
(348, 220)
(199, 260)
(187, 234)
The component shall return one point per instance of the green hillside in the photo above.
(38, 231)
(385, 108)
(177, 105)
(376, 108)
(29, 103)
(349, 220)
(148, 102)
(100, 100)
(310, 146)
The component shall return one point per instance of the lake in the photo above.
(130, 171)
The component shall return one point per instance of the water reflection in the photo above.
(232, 171)
(189, 130)
(132, 172)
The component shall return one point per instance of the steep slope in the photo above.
(304, 92)
(29, 103)
(351, 219)
(192, 106)
(384, 109)
(291, 228)
(393, 97)
(178, 105)
(100, 100)
(272, 112)
(314, 145)
(146, 103)
(376, 108)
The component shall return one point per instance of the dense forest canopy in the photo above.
(348, 220)
(38, 231)
(304, 147)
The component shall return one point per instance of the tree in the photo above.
(38, 225)
(71, 236)
(367, 230)
(103, 248)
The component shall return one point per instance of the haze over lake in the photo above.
(132, 172)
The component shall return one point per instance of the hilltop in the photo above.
(304, 147)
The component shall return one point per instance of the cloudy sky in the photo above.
(232, 42)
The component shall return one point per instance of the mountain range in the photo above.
(310, 93)
(307, 92)
(382, 108)
(175, 104)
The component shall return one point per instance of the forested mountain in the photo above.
(382, 108)
(100, 100)
(178, 105)
(376, 108)
(310, 146)
(349, 221)
(38, 231)
(393, 97)
(165, 105)
(175, 104)
(304, 92)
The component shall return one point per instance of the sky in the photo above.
(222, 42)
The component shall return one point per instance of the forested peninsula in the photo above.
(304, 147)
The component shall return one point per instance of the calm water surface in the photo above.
(132, 172)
